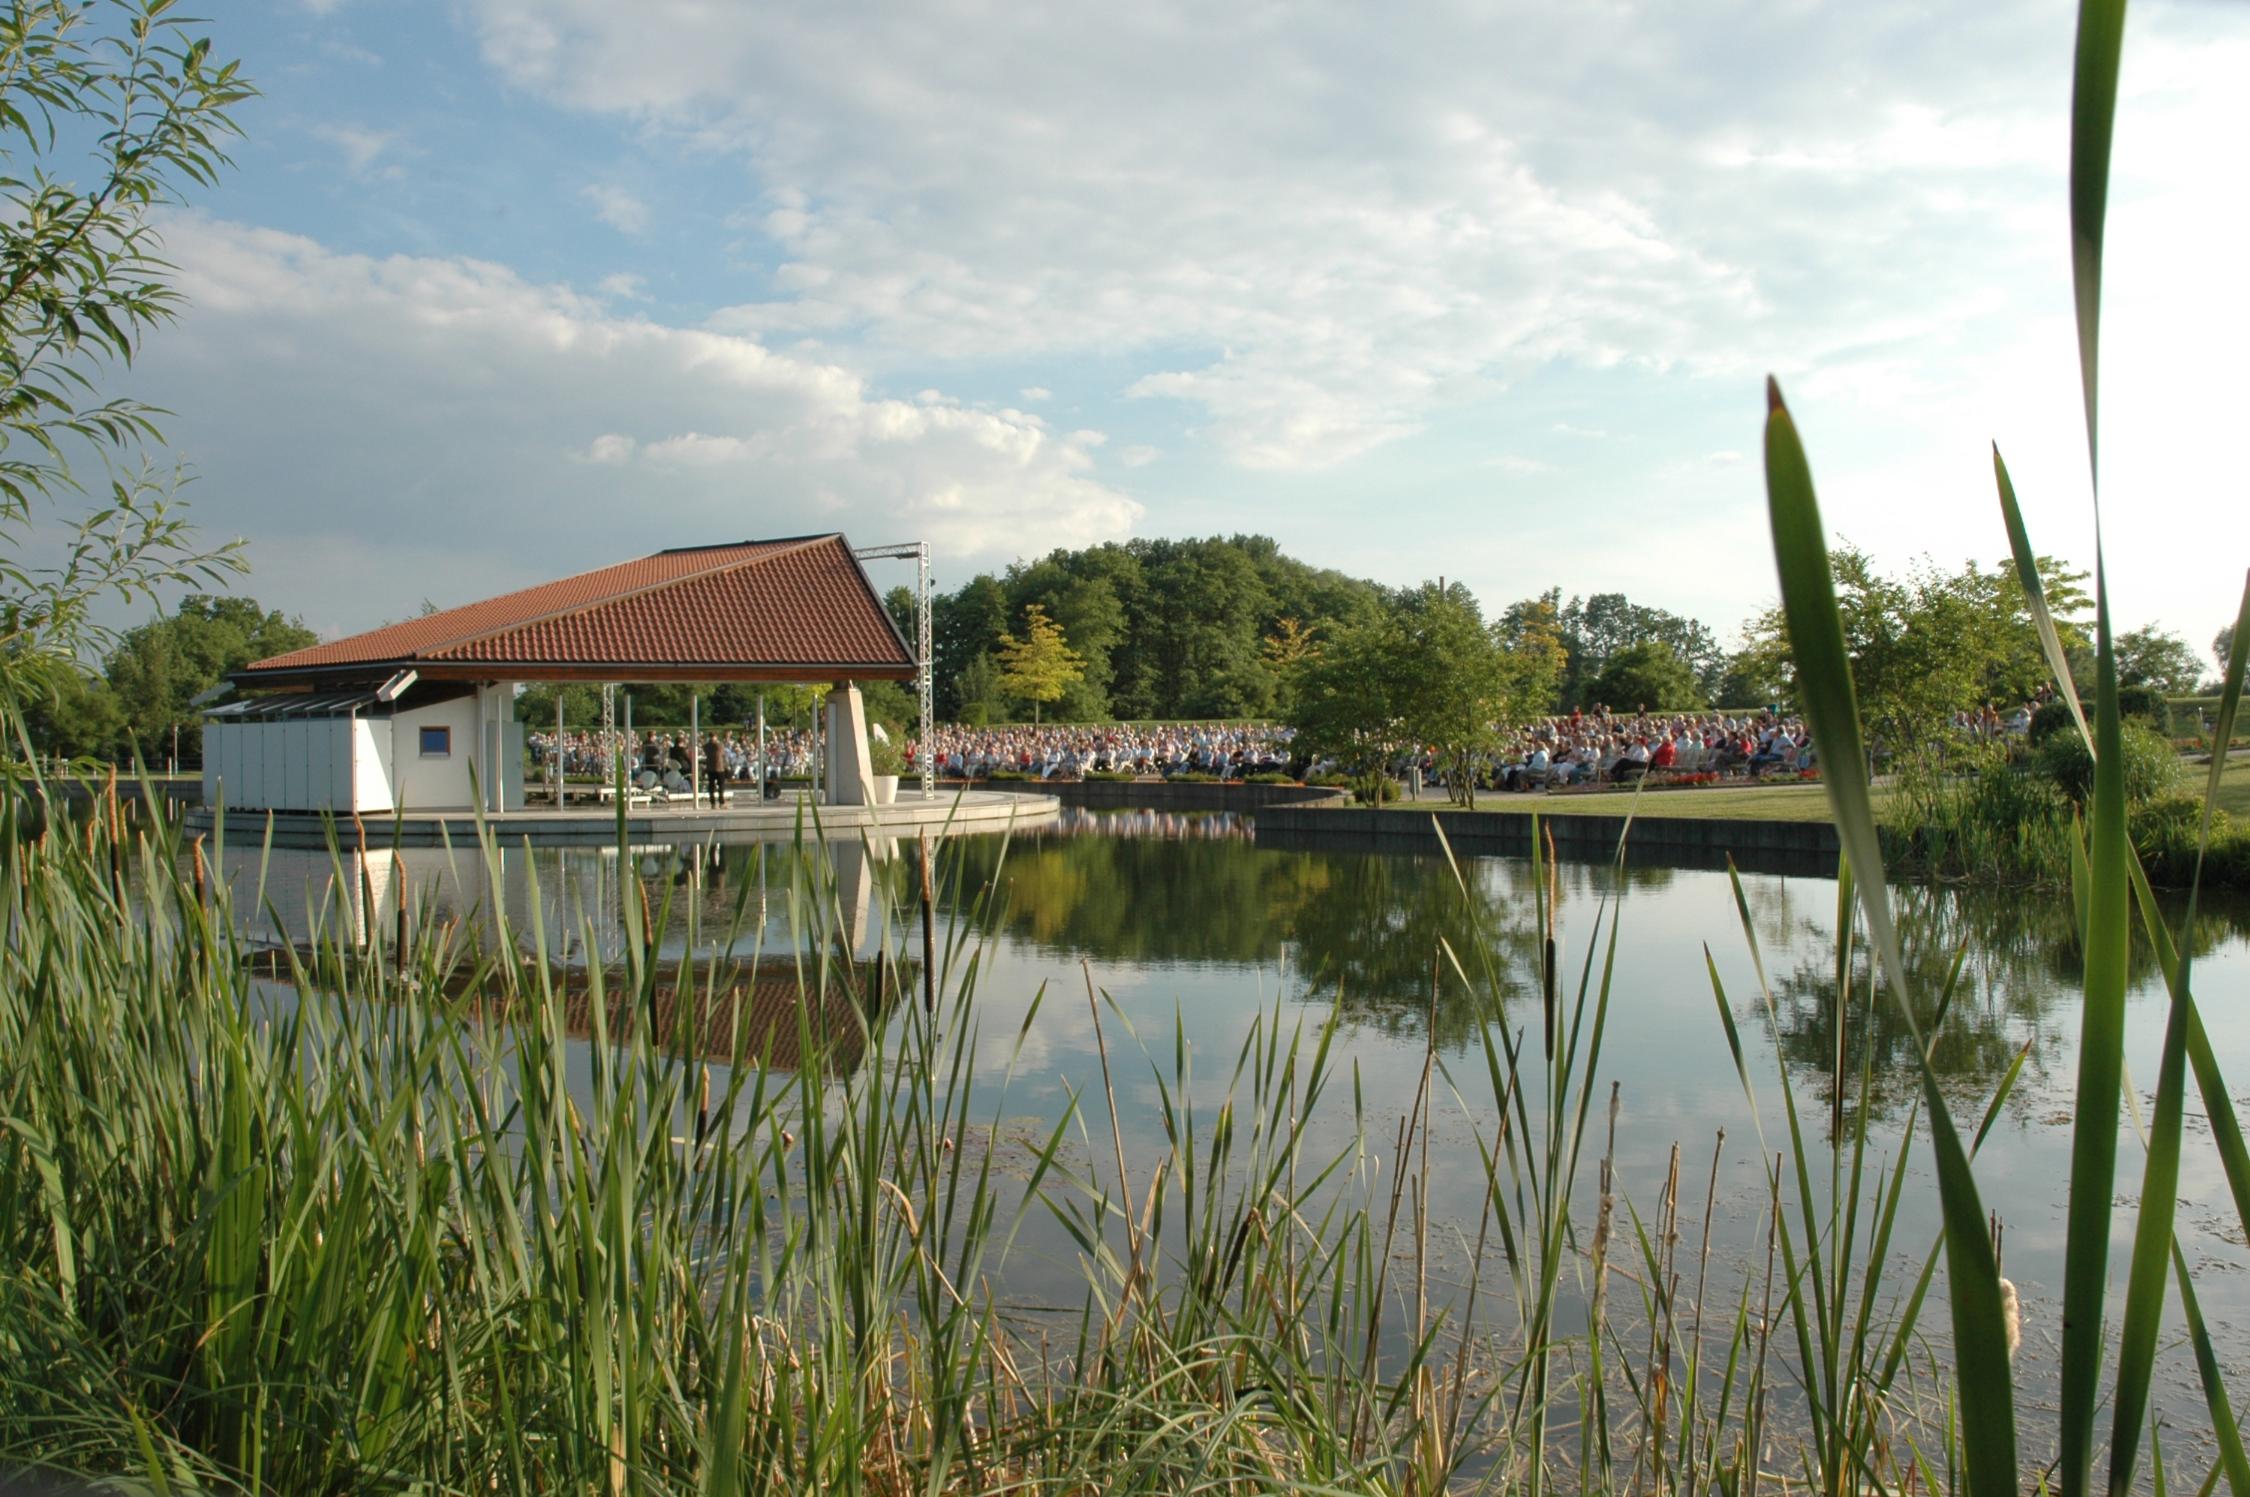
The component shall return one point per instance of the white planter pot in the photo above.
(886, 789)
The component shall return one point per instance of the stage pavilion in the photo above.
(413, 724)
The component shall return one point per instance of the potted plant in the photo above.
(886, 764)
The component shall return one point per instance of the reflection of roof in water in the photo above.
(759, 1013)
(756, 1010)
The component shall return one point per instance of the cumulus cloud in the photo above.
(621, 210)
(493, 431)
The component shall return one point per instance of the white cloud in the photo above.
(1315, 231)
(462, 413)
(621, 210)
(610, 448)
(1036, 393)
(623, 286)
(361, 147)
(1518, 466)
(1298, 236)
(1139, 455)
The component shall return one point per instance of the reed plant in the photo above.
(2107, 886)
(424, 1204)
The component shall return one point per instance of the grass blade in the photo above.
(1816, 641)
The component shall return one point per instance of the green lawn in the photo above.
(1731, 802)
(1763, 802)
(2234, 787)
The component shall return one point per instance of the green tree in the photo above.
(75, 717)
(2154, 657)
(1343, 699)
(2222, 646)
(1755, 675)
(1929, 643)
(1427, 672)
(1041, 666)
(977, 690)
(1596, 627)
(82, 281)
(1532, 630)
(964, 625)
(157, 669)
(1650, 674)
(1285, 652)
(1457, 688)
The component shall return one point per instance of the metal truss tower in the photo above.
(925, 678)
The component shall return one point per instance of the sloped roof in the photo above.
(750, 610)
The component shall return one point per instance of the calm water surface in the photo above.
(1192, 929)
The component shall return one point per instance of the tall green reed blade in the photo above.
(1816, 641)
(2153, 1245)
(2101, 38)
(2093, 117)
(2035, 592)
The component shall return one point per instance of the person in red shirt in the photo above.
(1665, 755)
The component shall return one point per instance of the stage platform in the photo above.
(944, 812)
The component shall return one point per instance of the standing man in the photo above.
(715, 768)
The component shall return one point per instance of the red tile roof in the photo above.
(792, 605)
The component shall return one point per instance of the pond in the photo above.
(1195, 935)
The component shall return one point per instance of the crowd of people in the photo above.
(1592, 747)
(1604, 748)
(1069, 753)
(667, 760)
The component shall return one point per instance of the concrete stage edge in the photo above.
(945, 812)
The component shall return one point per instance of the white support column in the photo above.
(851, 775)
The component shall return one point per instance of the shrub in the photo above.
(2132, 702)
(1194, 777)
(1268, 777)
(2141, 701)
(1330, 781)
(1376, 789)
(1007, 774)
(2151, 766)
(2051, 718)
(1109, 776)
(884, 758)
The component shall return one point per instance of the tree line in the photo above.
(1233, 628)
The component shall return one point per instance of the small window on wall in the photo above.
(437, 743)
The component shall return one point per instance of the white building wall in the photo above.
(345, 764)
(337, 759)
(216, 738)
(253, 793)
(295, 791)
(370, 788)
(421, 782)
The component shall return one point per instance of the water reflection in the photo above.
(1167, 892)
(2010, 960)
(1198, 932)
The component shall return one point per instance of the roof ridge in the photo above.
(786, 548)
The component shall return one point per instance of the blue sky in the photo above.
(507, 288)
